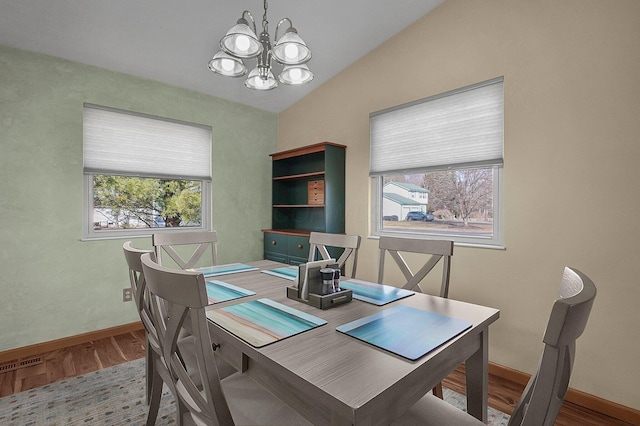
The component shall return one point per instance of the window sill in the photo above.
(437, 237)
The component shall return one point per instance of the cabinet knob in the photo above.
(273, 243)
(300, 246)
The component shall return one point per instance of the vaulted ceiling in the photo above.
(172, 41)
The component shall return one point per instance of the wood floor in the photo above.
(504, 394)
(82, 359)
(73, 361)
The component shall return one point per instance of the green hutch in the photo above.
(308, 194)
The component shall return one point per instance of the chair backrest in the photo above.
(438, 249)
(544, 394)
(138, 284)
(319, 242)
(201, 241)
(178, 299)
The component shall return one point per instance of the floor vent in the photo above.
(20, 363)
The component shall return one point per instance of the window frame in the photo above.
(496, 241)
(88, 231)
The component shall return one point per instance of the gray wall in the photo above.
(54, 285)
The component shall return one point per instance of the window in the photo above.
(436, 166)
(144, 174)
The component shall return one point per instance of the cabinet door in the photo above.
(276, 257)
(297, 249)
(276, 243)
(275, 247)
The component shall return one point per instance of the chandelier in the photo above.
(241, 43)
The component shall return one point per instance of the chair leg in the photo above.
(155, 395)
(149, 371)
(182, 414)
(437, 391)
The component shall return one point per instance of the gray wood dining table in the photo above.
(332, 378)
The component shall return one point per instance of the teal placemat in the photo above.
(263, 321)
(378, 294)
(405, 331)
(232, 268)
(219, 291)
(287, 272)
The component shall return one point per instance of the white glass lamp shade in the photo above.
(241, 42)
(291, 49)
(227, 65)
(255, 81)
(295, 74)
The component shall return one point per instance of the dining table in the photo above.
(330, 377)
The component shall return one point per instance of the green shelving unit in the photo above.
(308, 194)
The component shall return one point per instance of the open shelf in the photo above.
(300, 176)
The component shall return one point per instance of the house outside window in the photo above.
(144, 174)
(400, 198)
(436, 167)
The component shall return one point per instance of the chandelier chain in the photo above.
(265, 23)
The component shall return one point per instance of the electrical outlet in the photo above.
(126, 295)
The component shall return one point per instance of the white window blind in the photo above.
(128, 144)
(461, 128)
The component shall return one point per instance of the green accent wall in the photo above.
(53, 284)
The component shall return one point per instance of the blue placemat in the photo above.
(405, 331)
(263, 321)
(287, 272)
(378, 294)
(219, 291)
(232, 268)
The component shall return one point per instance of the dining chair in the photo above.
(543, 396)
(178, 299)
(319, 241)
(156, 372)
(437, 249)
(171, 243)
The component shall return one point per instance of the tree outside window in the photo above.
(122, 202)
(458, 202)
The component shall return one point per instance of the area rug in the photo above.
(115, 396)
